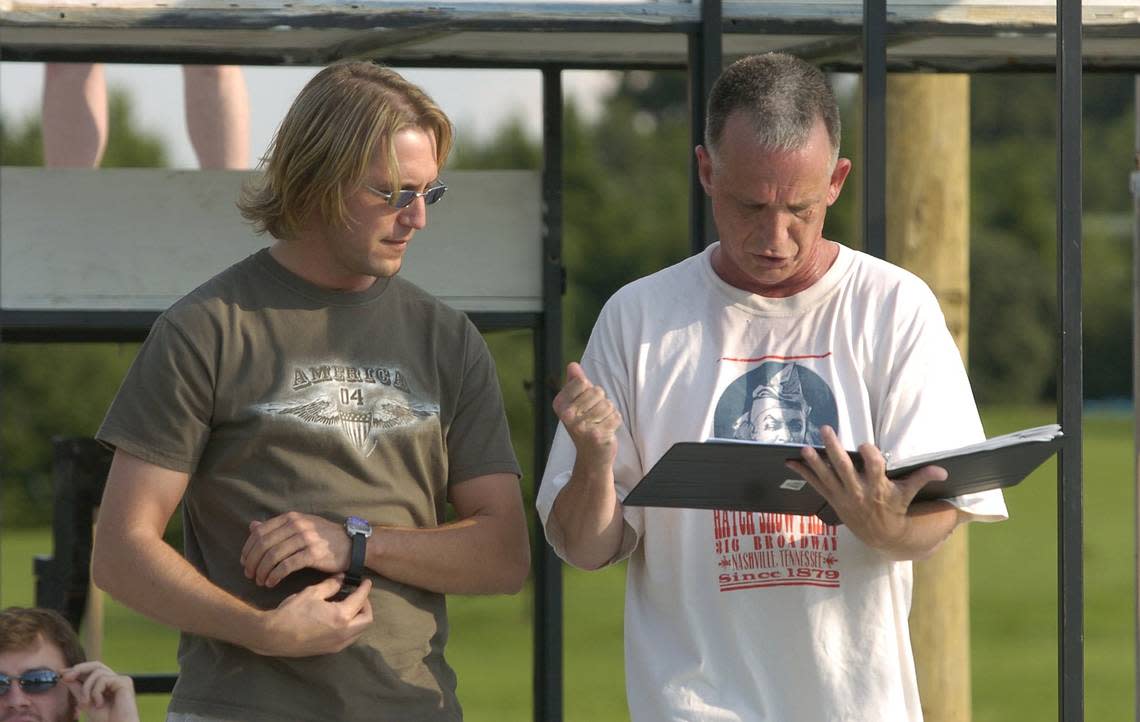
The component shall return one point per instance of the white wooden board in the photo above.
(139, 239)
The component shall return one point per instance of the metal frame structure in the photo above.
(874, 157)
(957, 35)
(1070, 542)
(548, 375)
(1134, 186)
(842, 36)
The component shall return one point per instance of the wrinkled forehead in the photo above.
(780, 179)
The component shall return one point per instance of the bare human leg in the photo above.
(74, 115)
(217, 115)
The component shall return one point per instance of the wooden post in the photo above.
(928, 224)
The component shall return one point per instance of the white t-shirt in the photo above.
(767, 617)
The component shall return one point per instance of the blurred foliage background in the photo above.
(626, 215)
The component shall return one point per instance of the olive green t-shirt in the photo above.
(276, 395)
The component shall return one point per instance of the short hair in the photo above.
(325, 146)
(781, 96)
(21, 628)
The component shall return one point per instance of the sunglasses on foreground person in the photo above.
(44, 675)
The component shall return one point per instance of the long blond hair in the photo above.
(327, 142)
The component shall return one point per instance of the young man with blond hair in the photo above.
(314, 413)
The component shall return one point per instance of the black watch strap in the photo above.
(355, 574)
(358, 531)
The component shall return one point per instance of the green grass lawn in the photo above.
(1013, 578)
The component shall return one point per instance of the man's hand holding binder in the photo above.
(878, 510)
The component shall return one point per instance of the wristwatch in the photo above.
(358, 531)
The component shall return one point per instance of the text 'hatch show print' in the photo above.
(758, 549)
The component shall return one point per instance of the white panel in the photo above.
(482, 248)
(139, 239)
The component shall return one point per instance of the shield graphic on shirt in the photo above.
(358, 428)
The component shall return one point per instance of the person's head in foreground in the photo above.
(44, 675)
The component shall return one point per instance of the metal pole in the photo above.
(548, 370)
(1135, 186)
(704, 66)
(1070, 610)
(875, 127)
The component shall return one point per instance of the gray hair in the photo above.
(781, 96)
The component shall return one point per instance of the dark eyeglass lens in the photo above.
(38, 680)
(35, 681)
(434, 194)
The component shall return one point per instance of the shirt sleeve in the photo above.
(162, 412)
(926, 403)
(478, 438)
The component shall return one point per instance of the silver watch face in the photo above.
(356, 525)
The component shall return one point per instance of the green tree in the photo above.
(1013, 229)
(1012, 316)
(509, 148)
(626, 194)
(21, 143)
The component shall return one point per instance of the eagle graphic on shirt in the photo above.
(362, 403)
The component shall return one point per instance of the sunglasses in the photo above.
(403, 199)
(34, 681)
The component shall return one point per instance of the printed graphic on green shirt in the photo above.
(362, 402)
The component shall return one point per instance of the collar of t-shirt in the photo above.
(791, 305)
(325, 296)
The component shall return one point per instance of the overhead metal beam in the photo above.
(950, 35)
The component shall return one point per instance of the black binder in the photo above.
(752, 476)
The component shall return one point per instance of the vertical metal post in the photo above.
(875, 127)
(1070, 609)
(705, 58)
(1135, 186)
(547, 374)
